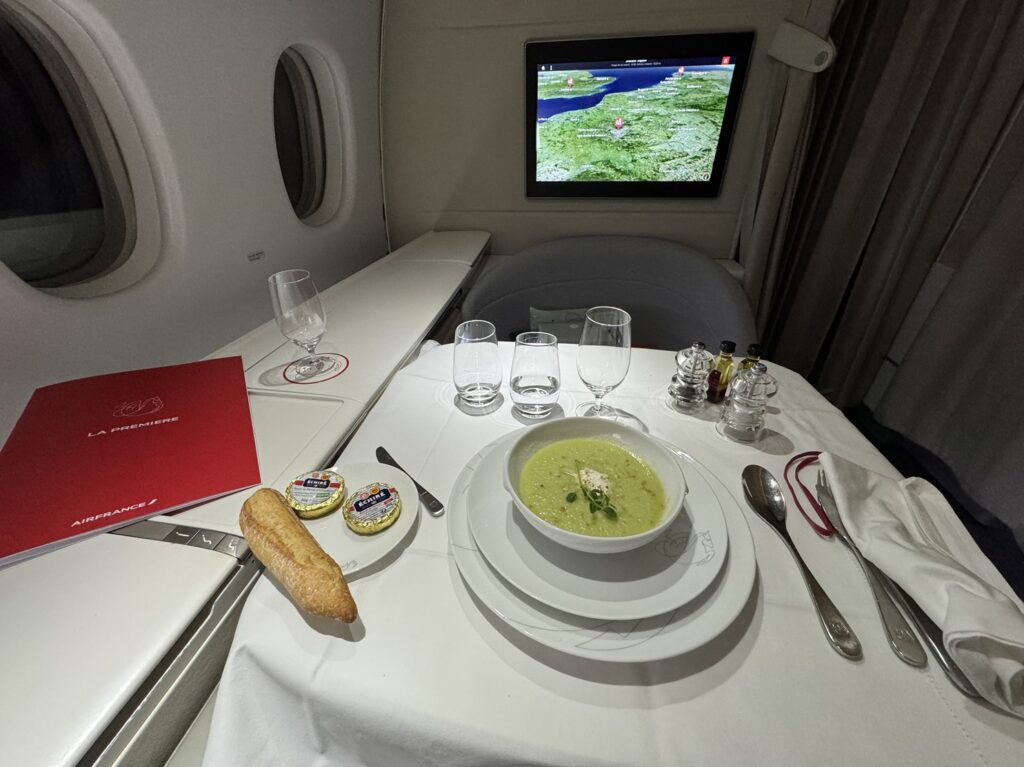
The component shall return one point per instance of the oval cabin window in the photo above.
(299, 131)
(65, 204)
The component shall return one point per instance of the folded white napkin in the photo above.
(913, 535)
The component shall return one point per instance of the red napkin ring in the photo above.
(821, 526)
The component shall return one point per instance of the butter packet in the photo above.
(373, 508)
(315, 494)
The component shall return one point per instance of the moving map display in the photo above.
(648, 125)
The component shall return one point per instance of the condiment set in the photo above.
(743, 388)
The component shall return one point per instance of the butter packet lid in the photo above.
(315, 493)
(373, 508)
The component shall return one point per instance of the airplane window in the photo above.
(299, 130)
(62, 214)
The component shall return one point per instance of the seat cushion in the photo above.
(675, 294)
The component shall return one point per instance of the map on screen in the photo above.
(632, 120)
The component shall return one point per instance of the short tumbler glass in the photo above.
(477, 366)
(535, 374)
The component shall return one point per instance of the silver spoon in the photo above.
(765, 497)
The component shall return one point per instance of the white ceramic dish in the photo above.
(649, 450)
(650, 580)
(651, 639)
(354, 552)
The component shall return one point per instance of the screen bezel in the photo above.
(736, 44)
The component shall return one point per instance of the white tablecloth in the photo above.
(429, 676)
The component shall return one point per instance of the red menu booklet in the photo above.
(97, 453)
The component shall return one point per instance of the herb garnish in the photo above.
(596, 497)
(600, 502)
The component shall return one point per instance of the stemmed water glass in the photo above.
(602, 360)
(301, 318)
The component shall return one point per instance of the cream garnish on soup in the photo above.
(592, 487)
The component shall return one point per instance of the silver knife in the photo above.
(434, 506)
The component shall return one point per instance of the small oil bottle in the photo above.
(752, 358)
(721, 372)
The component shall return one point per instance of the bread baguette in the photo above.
(282, 543)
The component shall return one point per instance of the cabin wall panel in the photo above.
(453, 118)
(198, 79)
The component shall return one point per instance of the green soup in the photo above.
(558, 483)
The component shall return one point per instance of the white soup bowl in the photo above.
(665, 465)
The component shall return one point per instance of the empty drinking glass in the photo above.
(535, 374)
(301, 318)
(602, 360)
(476, 366)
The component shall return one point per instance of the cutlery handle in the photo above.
(932, 636)
(897, 630)
(836, 629)
(901, 638)
(432, 505)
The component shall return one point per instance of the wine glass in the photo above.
(603, 356)
(301, 318)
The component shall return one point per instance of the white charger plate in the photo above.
(635, 641)
(354, 552)
(652, 580)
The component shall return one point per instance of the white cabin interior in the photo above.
(879, 262)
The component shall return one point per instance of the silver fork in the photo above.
(901, 637)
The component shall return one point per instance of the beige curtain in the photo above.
(768, 206)
(905, 127)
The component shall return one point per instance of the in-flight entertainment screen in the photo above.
(646, 117)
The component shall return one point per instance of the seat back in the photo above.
(675, 294)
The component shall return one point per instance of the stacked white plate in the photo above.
(663, 599)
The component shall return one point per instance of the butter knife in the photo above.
(901, 638)
(434, 506)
